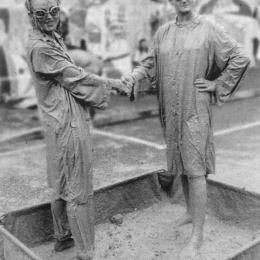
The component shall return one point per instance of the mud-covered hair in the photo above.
(34, 22)
(28, 5)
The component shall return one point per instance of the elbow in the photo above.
(242, 62)
(241, 58)
(247, 61)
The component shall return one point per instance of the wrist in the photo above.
(110, 84)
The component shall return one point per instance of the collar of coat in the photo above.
(38, 35)
(195, 20)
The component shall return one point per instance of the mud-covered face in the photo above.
(183, 6)
(46, 13)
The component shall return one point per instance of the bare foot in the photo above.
(183, 220)
(191, 251)
(84, 257)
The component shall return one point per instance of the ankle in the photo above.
(196, 240)
(61, 245)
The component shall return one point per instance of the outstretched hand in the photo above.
(204, 85)
(130, 82)
(119, 86)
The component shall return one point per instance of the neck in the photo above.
(50, 33)
(185, 17)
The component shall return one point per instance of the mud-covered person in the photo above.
(194, 64)
(64, 93)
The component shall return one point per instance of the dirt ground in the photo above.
(23, 177)
(238, 161)
(150, 234)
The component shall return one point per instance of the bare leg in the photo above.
(186, 218)
(198, 200)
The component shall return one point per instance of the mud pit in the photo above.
(150, 234)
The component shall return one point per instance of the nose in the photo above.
(48, 16)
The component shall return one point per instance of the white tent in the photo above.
(236, 16)
(14, 34)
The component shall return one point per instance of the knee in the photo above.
(58, 204)
(197, 179)
(71, 207)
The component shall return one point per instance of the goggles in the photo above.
(41, 14)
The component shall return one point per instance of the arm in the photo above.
(230, 56)
(145, 69)
(232, 61)
(146, 65)
(51, 64)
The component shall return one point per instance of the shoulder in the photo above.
(36, 46)
(166, 26)
(210, 22)
(44, 50)
(163, 29)
(36, 42)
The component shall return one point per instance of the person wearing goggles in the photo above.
(43, 14)
(65, 93)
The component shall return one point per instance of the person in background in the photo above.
(5, 86)
(255, 39)
(138, 56)
(65, 92)
(117, 47)
(155, 22)
(140, 53)
(194, 64)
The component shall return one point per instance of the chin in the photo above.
(50, 28)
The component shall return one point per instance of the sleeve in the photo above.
(146, 67)
(230, 57)
(51, 64)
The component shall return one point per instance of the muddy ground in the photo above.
(150, 234)
(23, 165)
(23, 176)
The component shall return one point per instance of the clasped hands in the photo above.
(123, 86)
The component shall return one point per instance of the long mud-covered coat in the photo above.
(180, 54)
(64, 92)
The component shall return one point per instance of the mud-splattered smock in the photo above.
(64, 93)
(180, 54)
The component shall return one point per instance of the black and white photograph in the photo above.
(129, 129)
